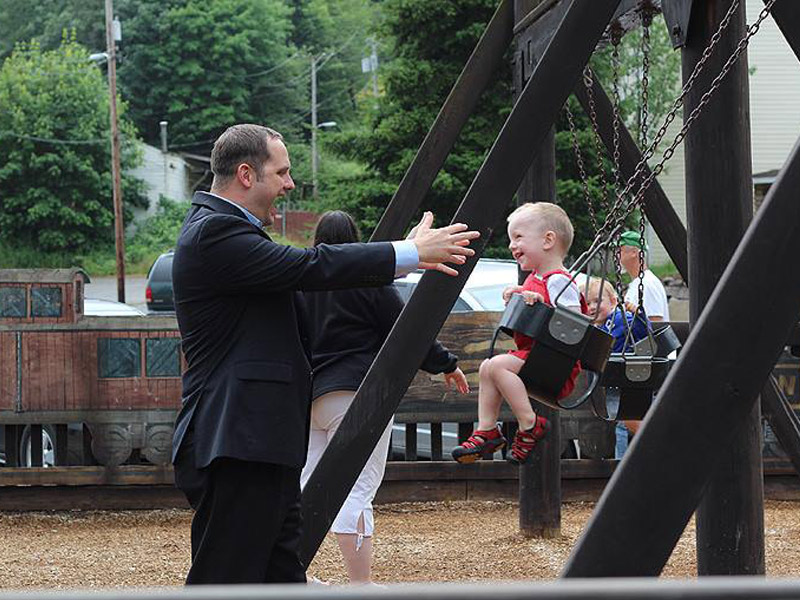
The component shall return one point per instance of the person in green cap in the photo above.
(654, 301)
(655, 296)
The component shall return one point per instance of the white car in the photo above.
(95, 307)
(483, 290)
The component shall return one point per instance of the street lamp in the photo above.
(314, 157)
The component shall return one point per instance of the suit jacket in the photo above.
(247, 387)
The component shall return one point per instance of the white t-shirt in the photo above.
(571, 298)
(655, 296)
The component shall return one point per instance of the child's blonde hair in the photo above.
(548, 217)
(593, 286)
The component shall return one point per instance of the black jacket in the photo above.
(347, 329)
(247, 388)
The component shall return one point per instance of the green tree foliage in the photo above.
(431, 42)
(45, 22)
(55, 166)
(205, 65)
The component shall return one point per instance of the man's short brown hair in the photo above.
(244, 143)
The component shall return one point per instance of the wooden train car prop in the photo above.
(65, 374)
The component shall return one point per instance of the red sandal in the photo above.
(525, 441)
(481, 444)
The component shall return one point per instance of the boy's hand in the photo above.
(531, 297)
(510, 291)
(630, 306)
(458, 379)
(443, 245)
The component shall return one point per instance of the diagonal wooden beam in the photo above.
(657, 206)
(784, 422)
(787, 15)
(704, 401)
(483, 206)
(483, 63)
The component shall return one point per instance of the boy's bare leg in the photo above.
(489, 397)
(504, 375)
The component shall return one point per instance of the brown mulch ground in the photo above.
(415, 542)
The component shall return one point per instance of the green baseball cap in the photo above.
(632, 238)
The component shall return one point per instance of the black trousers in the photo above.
(246, 526)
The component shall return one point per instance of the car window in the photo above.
(461, 306)
(162, 270)
(490, 297)
(406, 289)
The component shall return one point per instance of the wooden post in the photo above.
(119, 230)
(540, 479)
(719, 205)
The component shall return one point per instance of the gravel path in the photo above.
(415, 542)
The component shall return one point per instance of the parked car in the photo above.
(483, 291)
(96, 307)
(158, 292)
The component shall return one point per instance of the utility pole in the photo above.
(314, 126)
(373, 59)
(115, 151)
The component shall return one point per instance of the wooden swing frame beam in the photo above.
(573, 40)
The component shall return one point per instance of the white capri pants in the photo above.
(327, 413)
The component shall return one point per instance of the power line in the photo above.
(271, 69)
(53, 140)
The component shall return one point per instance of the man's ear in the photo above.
(245, 175)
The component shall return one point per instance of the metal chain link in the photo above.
(646, 12)
(588, 82)
(581, 167)
(616, 38)
(620, 211)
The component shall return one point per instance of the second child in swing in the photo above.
(540, 236)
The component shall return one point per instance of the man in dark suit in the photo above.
(240, 438)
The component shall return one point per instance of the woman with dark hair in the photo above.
(348, 327)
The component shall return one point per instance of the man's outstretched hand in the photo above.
(444, 245)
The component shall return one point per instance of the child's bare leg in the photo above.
(504, 375)
(489, 398)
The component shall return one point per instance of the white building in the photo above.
(175, 176)
(774, 117)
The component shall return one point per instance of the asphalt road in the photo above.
(105, 288)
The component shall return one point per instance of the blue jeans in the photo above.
(620, 431)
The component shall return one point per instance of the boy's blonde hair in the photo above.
(548, 217)
(593, 286)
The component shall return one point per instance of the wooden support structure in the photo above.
(719, 206)
(540, 479)
(496, 182)
(783, 420)
(704, 402)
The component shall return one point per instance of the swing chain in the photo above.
(620, 211)
(647, 19)
(581, 167)
(588, 82)
(616, 39)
